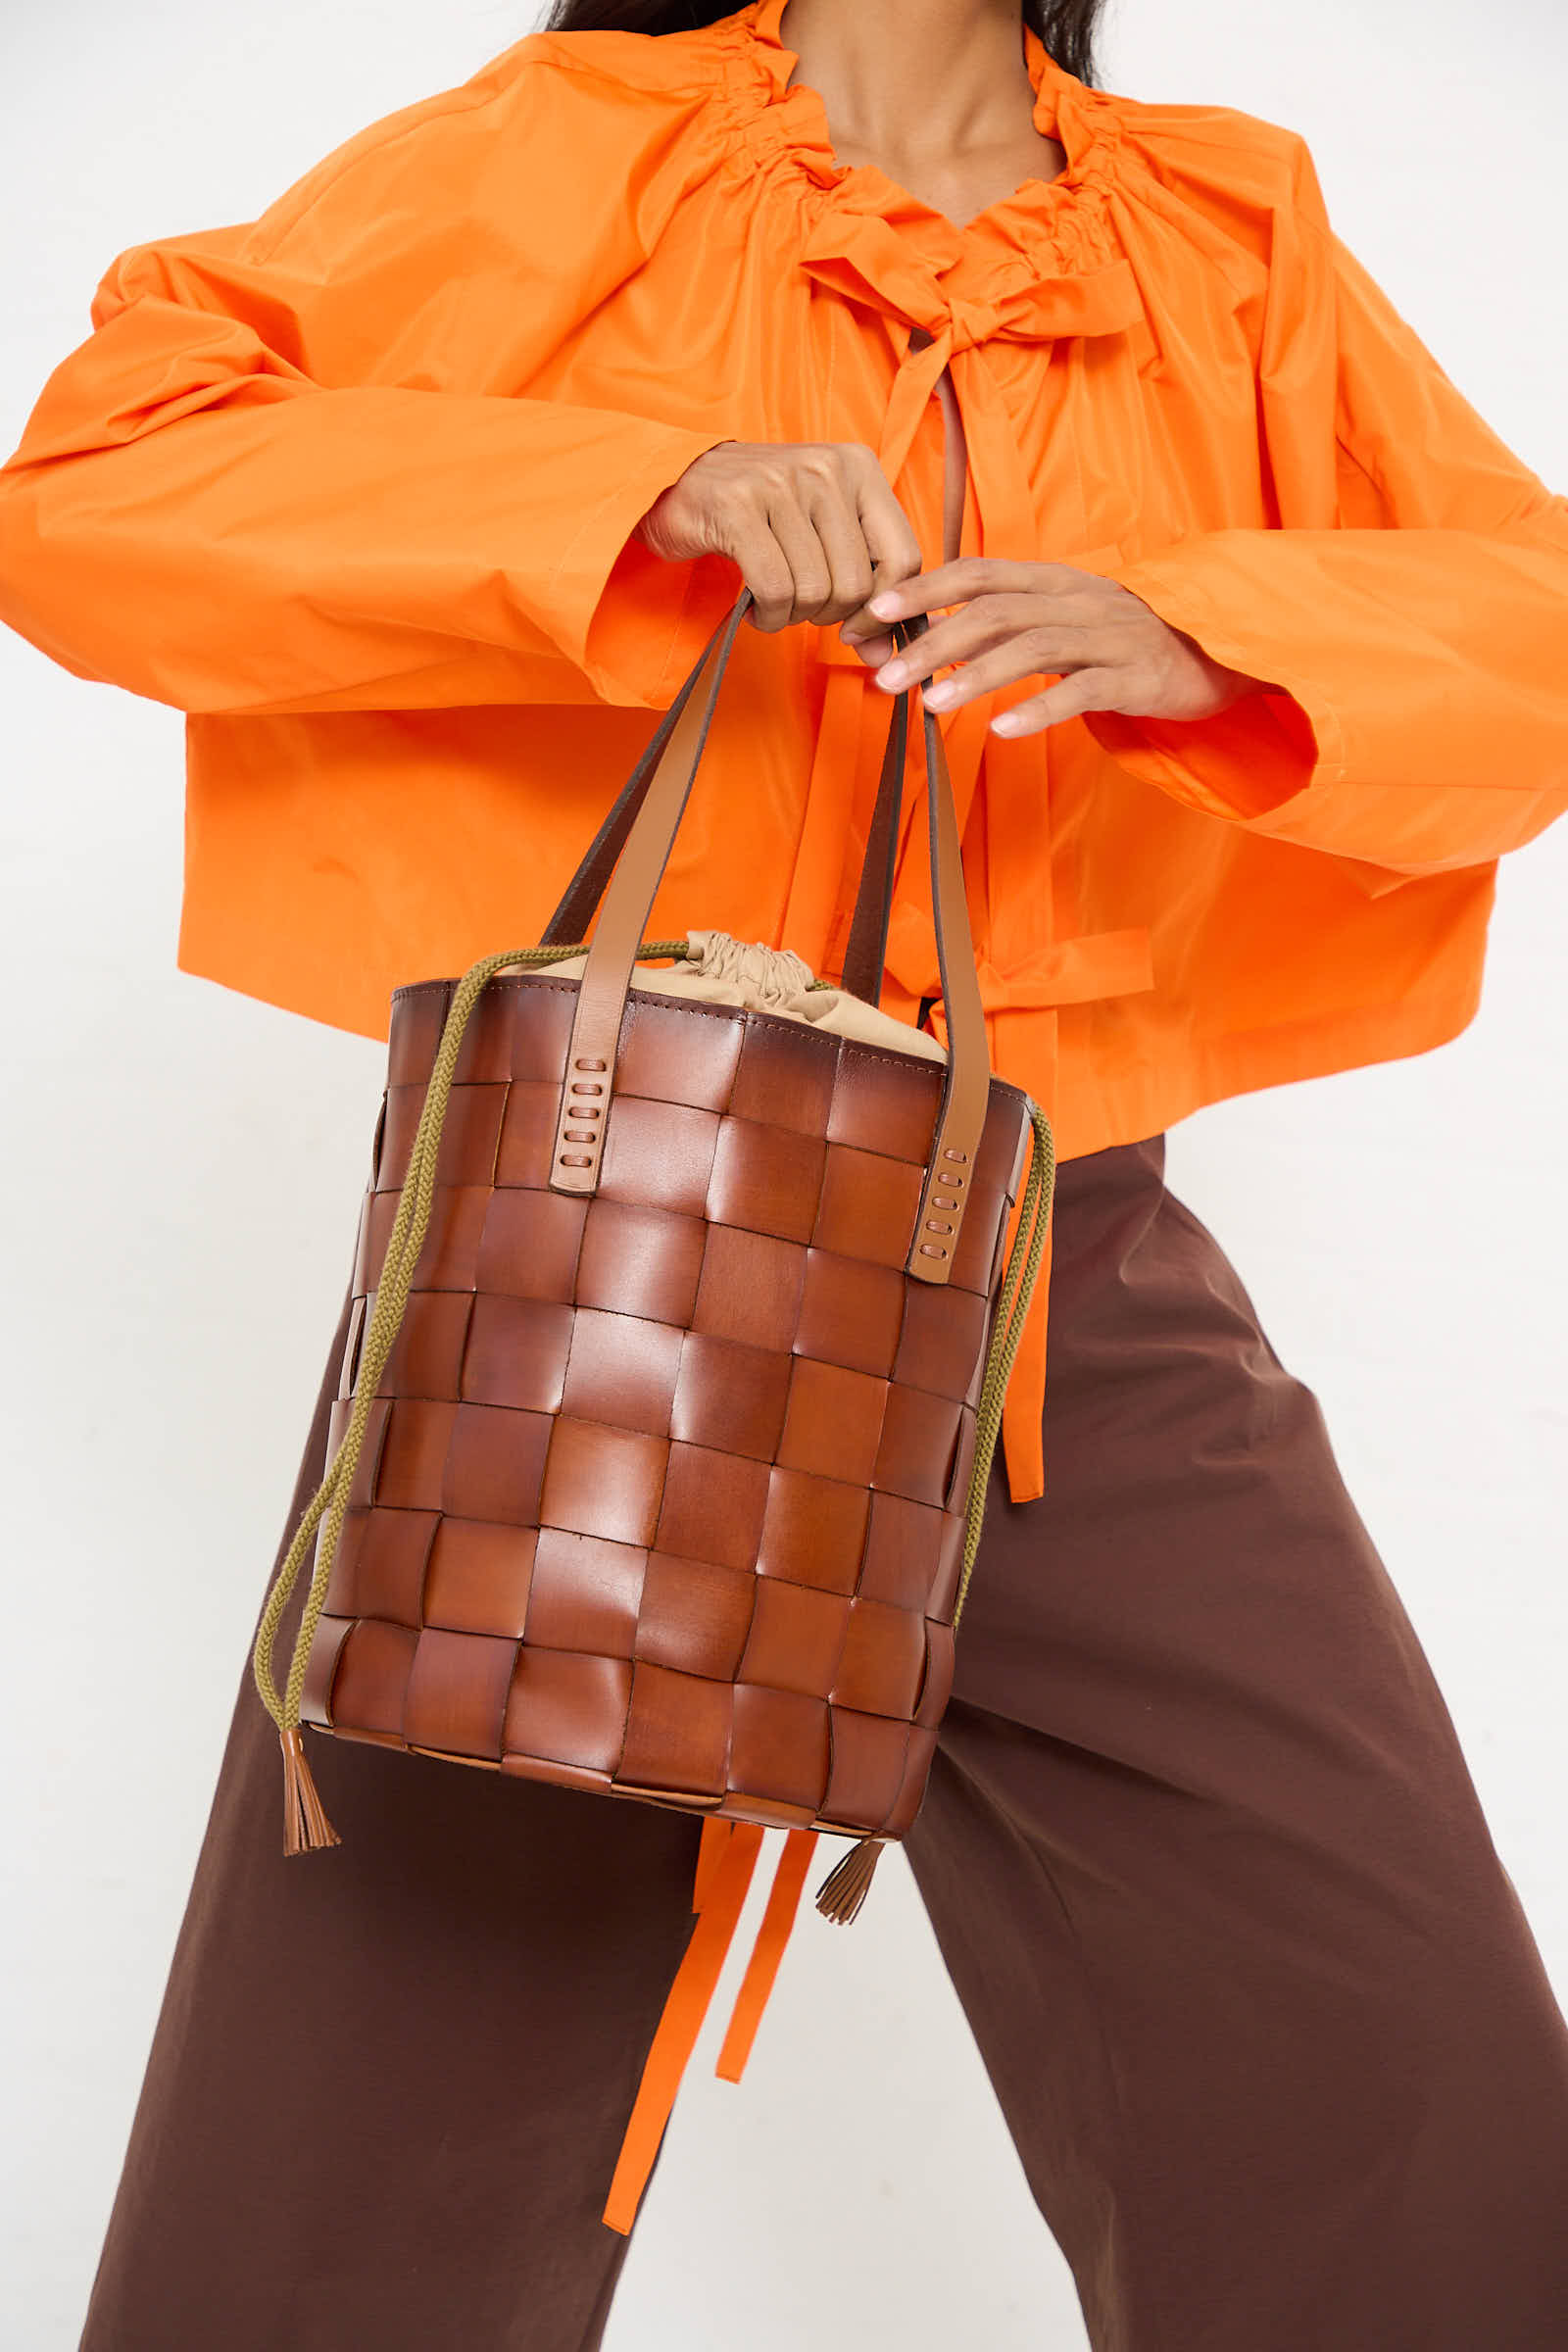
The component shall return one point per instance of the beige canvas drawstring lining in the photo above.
(304, 1822)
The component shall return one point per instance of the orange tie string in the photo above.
(761, 1971)
(726, 1857)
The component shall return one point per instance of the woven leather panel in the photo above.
(662, 1492)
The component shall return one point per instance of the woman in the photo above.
(419, 493)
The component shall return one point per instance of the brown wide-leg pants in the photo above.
(1200, 1852)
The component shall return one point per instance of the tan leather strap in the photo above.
(968, 1093)
(588, 884)
(584, 1107)
(643, 825)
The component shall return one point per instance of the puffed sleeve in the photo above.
(266, 481)
(1410, 611)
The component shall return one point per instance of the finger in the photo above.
(996, 639)
(835, 517)
(890, 536)
(767, 573)
(811, 572)
(976, 575)
(874, 651)
(892, 542)
(1086, 689)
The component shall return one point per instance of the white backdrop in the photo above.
(184, 1169)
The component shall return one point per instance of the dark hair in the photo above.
(1067, 28)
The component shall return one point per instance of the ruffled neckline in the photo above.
(1052, 227)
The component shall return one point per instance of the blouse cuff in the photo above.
(1244, 762)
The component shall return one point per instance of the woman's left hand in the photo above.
(1109, 651)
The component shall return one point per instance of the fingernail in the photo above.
(885, 605)
(936, 697)
(1006, 725)
(891, 674)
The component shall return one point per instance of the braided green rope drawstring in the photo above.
(1013, 1308)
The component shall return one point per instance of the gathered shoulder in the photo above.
(546, 109)
(1218, 130)
(1242, 170)
(633, 60)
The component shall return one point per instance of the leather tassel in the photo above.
(305, 1823)
(845, 1888)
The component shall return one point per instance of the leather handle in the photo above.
(625, 863)
(580, 898)
(866, 951)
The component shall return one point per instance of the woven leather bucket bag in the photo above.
(678, 1344)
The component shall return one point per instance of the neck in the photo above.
(921, 79)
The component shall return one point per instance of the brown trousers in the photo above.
(1202, 1855)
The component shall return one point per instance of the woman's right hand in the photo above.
(815, 526)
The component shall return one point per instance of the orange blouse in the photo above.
(351, 484)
